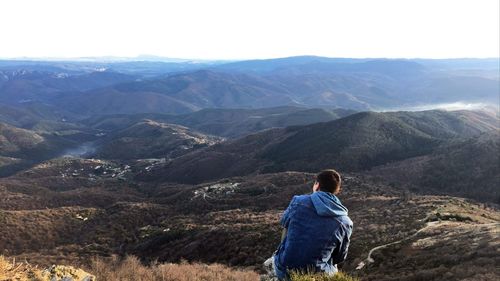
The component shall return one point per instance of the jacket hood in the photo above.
(327, 204)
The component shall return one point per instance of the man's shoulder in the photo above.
(345, 220)
(302, 199)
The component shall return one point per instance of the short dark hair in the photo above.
(329, 180)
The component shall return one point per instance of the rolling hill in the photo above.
(465, 167)
(229, 123)
(29, 114)
(15, 141)
(353, 143)
(21, 148)
(111, 101)
(233, 123)
(150, 139)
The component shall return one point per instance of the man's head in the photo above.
(328, 181)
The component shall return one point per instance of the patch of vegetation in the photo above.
(450, 217)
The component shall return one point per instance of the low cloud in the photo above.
(447, 106)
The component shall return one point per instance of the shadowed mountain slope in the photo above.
(357, 142)
(466, 167)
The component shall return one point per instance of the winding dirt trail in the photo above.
(369, 258)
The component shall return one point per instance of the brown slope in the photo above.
(16, 140)
(150, 139)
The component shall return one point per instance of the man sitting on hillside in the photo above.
(316, 230)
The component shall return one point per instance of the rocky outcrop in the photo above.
(10, 271)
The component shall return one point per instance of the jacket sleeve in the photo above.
(285, 219)
(343, 238)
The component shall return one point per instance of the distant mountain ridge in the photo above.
(208, 89)
(24, 85)
(181, 87)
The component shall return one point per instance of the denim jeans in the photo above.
(282, 275)
(280, 272)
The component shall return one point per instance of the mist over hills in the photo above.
(181, 160)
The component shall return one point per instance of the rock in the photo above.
(65, 273)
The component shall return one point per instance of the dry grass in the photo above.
(131, 269)
(128, 269)
(340, 276)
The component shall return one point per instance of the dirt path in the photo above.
(369, 258)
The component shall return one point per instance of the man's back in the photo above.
(318, 232)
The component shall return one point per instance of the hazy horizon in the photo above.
(159, 58)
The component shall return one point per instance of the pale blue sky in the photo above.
(232, 29)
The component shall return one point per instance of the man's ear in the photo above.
(316, 186)
(339, 189)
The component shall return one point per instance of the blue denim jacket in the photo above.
(318, 232)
